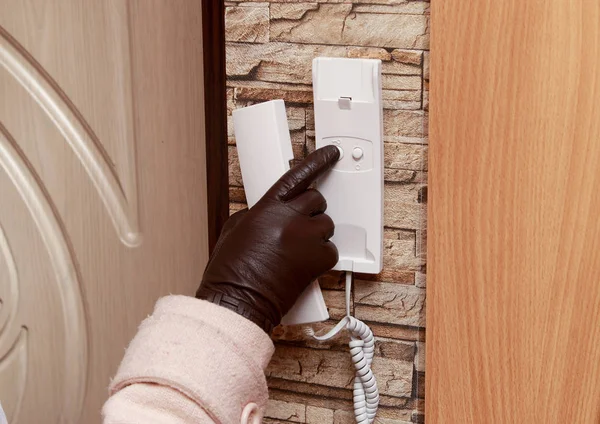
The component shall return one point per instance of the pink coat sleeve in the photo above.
(190, 362)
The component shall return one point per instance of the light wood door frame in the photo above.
(513, 290)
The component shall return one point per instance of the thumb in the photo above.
(300, 177)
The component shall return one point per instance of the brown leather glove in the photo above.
(266, 256)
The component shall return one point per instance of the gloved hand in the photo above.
(266, 256)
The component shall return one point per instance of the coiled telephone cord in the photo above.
(362, 349)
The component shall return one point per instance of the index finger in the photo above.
(300, 177)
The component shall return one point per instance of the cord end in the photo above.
(308, 332)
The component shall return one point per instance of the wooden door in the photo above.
(102, 188)
(513, 291)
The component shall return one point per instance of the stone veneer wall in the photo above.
(270, 47)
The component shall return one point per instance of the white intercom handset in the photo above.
(264, 150)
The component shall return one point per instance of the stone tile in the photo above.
(298, 143)
(310, 141)
(327, 368)
(402, 105)
(400, 255)
(321, 25)
(317, 399)
(296, 117)
(401, 95)
(399, 68)
(340, 24)
(401, 82)
(419, 383)
(292, 95)
(230, 131)
(403, 193)
(409, 57)
(404, 215)
(398, 276)
(399, 175)
(236, 84)
(277, 62)
(418, 417)
(288, 411)
(395, 234)
(335, 398)
(292, 11)
(390, 303)
(402, 99)
(394, 349)
(237, 195)
(426, 80)
(426, 65)
(310, 118)
(387, 30)
(292, 63)
(235, 207)
(421, 279)
(247, 24)
(235, 173)
(326, 394)
(422, 199)
(316, 415)
(398, 332)
(404, 176)
(369, 53)
(403, 139)
(404, 123)
(332, 280)
(334, 369)
(405, 156)
(344, 417)
(336, 303)
(420, 357)
(422, 241)
(419, 404)
(230, 101)
(400, 8)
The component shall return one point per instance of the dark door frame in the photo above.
(215, 104)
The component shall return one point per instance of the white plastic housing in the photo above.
(349, 114)
(265, 150)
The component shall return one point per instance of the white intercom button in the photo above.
(357, 153)
(341, 152)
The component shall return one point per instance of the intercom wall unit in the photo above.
(349, 115)
(265, 149)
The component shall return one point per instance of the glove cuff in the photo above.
(236, 305)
